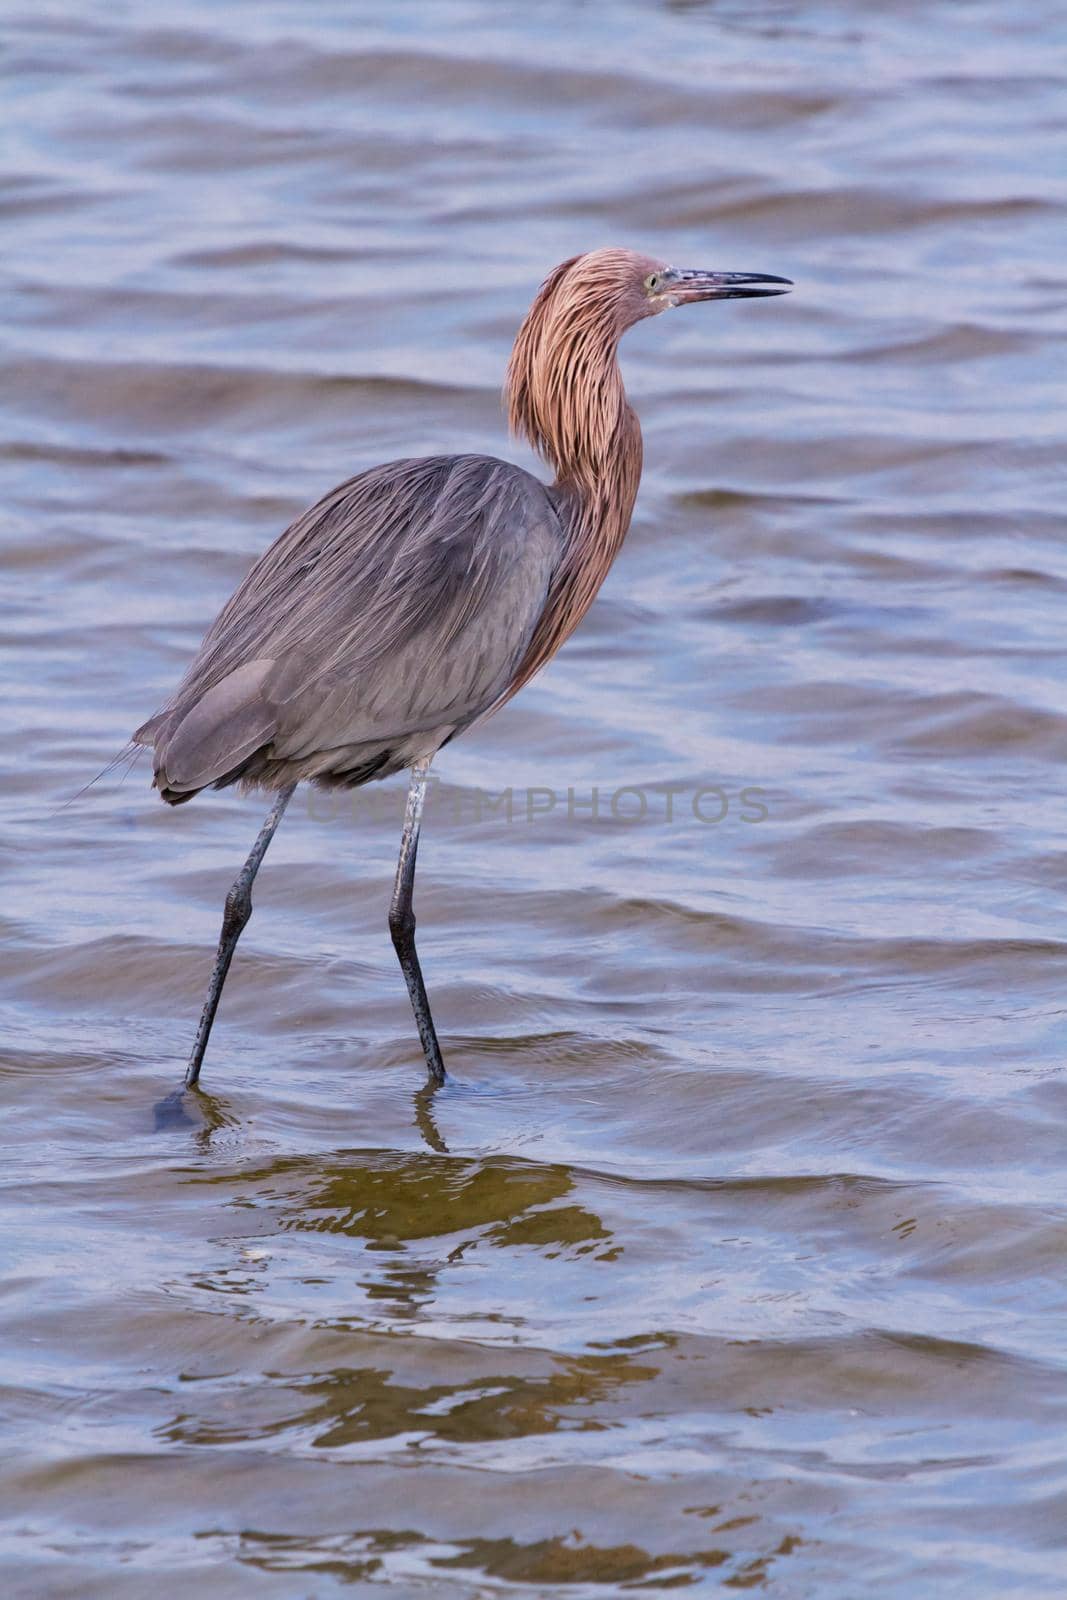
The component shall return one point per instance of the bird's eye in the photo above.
(652, 282)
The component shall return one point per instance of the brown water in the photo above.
(734, 1255)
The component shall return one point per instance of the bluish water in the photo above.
(733, 1257)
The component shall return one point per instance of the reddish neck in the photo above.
(565, 394)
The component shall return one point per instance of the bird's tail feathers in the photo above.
(128, 754)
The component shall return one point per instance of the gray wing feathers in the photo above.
(400, 604)
(221, 729)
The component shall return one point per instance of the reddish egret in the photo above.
(419, 596)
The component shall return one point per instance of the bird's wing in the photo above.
(403, 601)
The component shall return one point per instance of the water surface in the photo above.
(733, 1256)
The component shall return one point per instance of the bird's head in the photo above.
(621, 287)
(563, 389)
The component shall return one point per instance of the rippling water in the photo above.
(734, 1255)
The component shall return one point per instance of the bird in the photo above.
(419, 596)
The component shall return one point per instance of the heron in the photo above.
(417, 597)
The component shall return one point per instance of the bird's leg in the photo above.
(237, 912)
(402, 921)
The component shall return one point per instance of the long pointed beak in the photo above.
(696, 285)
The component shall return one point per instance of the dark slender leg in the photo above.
(237, 912)
(402, 921)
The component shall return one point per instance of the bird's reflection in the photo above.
(418, 1215)
(195, 1111)
(347, 1406)
(423, 1100)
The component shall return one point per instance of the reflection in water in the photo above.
(424, 1118)
(567, 1559)
(418, 1216)
(171, 1113)
(193, 1109)
(335, 1410)
(734, 1257)
(389, 1198)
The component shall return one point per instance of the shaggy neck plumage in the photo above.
(565, 395)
